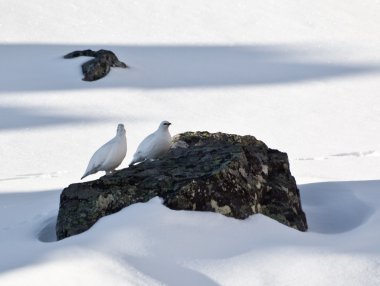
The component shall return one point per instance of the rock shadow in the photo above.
(171, 66)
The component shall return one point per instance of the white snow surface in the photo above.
(303, 76)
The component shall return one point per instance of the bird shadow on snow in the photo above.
(330, 207)
(41, 67)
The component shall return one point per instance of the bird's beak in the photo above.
(170, 123)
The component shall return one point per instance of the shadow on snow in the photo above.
(40, 67)
(330, 207)
(24, 117)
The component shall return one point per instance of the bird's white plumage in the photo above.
(108, 157)
(154, 145)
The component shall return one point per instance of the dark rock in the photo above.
(98, 67)
(236, 176)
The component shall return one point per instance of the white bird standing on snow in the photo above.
(110, 155)
(154, 145)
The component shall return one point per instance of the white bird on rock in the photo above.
(108, 157)
(154, 145)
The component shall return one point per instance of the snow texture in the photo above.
(303, 76)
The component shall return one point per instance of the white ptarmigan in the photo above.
(108, 157)
(154, 145)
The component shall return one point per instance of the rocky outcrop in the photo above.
(236, 176)
(98, 67)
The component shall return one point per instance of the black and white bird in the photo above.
(108, 157)
(155, 145)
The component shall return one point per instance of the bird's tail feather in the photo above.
(90, 172)
(137, 160)
(134, 161)
(84, 176)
